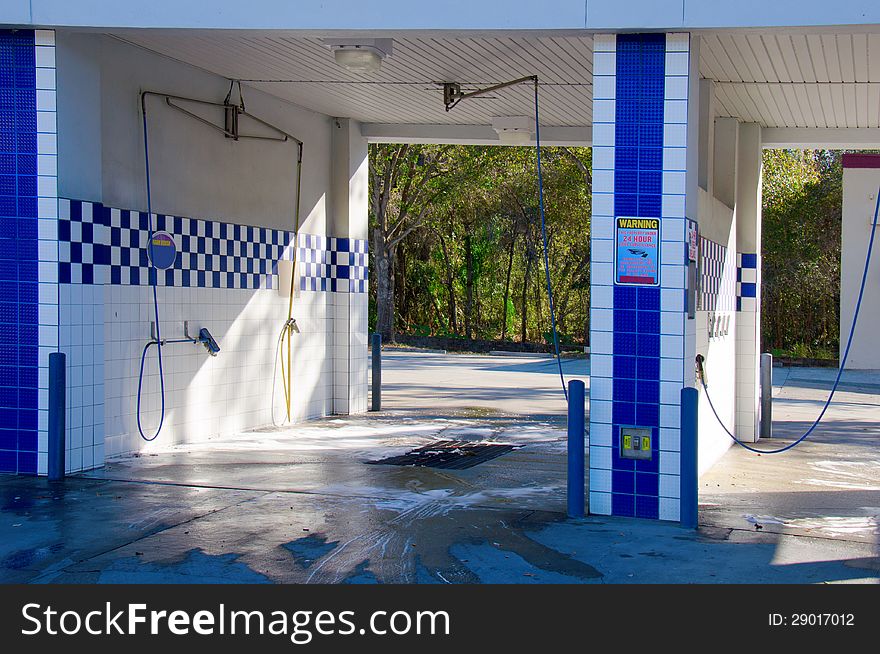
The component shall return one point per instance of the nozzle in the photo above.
(701, 371)
(208, 341)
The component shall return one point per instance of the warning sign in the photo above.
(637, 255)
(162, 250)
(693, 237)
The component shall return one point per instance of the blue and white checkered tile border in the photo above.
(717, 283)
(327, 263)
(746, 281)
(103, 245)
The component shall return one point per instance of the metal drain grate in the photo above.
(450, 455)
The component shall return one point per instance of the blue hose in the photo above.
(546, 248)
(153, 282)
(849, 340)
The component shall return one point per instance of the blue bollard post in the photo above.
(377, 373)
(690, 399)
(57, 414)
(576, 448)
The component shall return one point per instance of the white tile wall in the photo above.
(748, 359)
(47, 208)
(211, 396)
(359, 356)
(105, 327)
(81, 338)
(602, 274)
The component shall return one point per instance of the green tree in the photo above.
(802, 204)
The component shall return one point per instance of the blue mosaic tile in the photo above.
(625, 159)
(648, 368)
(625, 320)
(648, 345)
(625, 297)
(623, 481)
(624, 343)
(623, 505)
(18, 252)
(626, 179)
(650, 205)
(27, 437)
(8, 396)
(647, 483)
(623, 413)
(625, 204)
(648, 465)
(647, 415)
(648, 298)
(9, 461)
(647, 507)
(27, 463)
(626, 135)
(649, 111)
(650, 181)
(650, 159)
(648, 322)
(638, 186)
(647, 391)
(650, 136)
(618, 462)
(749, 260)
(624, 390)
(624, 367)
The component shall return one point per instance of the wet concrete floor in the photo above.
(302, 506)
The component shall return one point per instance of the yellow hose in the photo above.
(287, 371)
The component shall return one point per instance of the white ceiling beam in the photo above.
(831, 138)
(469, 134)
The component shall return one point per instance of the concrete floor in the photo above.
(302, 506)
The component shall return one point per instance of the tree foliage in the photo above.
(802, 205)
(459, 230)
(456, 247)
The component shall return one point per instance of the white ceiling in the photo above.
(775, 78)
(303, 71)
(796, 80)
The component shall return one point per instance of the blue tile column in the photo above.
(638, 329)
(27, 189)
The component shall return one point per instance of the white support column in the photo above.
(748, 317)
(706, 145)
(347, 228)
(861, 183)
(645, 177)
(716, 319)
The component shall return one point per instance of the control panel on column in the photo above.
(693, 239)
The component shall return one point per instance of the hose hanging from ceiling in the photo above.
(231, 130)
(452, 95)
(849, 341)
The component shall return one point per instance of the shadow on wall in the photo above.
(211, 396)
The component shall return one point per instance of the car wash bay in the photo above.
(233, 202)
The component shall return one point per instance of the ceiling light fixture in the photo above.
(362, 56)
(514, 130)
